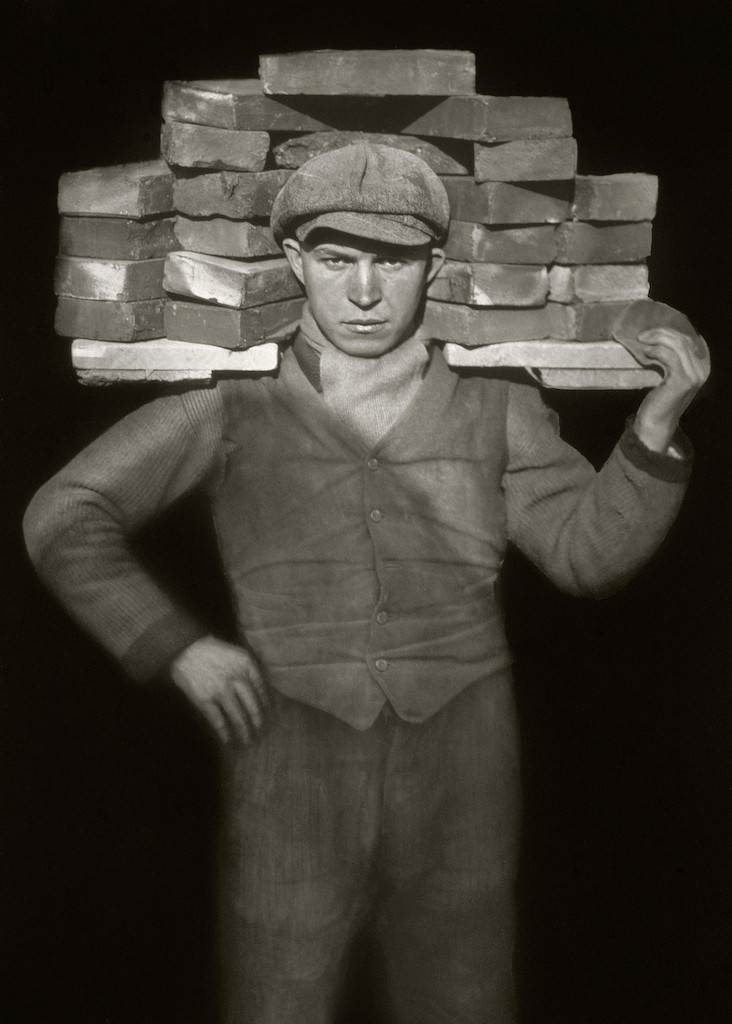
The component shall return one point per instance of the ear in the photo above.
(293, 252)
(436, 263)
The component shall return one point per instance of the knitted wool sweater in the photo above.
(472, 463)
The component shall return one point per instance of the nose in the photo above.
(364, 289)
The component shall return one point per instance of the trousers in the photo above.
(411, 826)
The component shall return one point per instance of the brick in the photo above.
(446, 157)
(127, 190)
(369, 73)
(105, 378)
(496, 202)
(585, 321)
(195, 145)
(544, 354)
(116, 238)
(219, 236)
(239, 196)
(489, 284)
(615, 197)
(117, 280)
(579, 242)
(484, 244)
(471, 327)
(526, 160)
(104, 320)
(227, 282)
(598, 380)
(231, 328)
(165, 354)
(240, 103)
(599, 283)
(493, 118)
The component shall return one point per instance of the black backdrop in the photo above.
(109, 803)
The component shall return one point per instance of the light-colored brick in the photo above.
(116, 238)
(526, 160)
(239, 196)
(106, 378)
(227, 282)
(116, 280)
(165, 354)
(484, 244)
(549, 353)
(598, 380)
(490, 284)
(231, 328)
(195, 145)
(579, 243)
(103, 320)
(615, 197)
(369, 73)
(219, 236)
(445, 157)
(465, 326)
(127, 190)
(601, 282)
(496, 202)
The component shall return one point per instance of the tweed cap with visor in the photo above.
(368, 190)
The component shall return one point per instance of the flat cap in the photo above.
(366, 189)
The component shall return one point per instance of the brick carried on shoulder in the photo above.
(601, 282)
(579, 242)
(444, 156)
(116, 238)
(108, 320)
(239, 196)
(134, 190)
(482, 243)
(228, 282)
(116, 280)
(219, 236)
(490, 284)
(195, 145)
(369, 73)
(526, 160)
(231, 328)
(615, 197)
(497, 202)
(471, 327)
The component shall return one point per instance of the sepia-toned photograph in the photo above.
(369, 576)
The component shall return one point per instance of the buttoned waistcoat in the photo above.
(365, 574)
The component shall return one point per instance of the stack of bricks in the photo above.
(541, 260)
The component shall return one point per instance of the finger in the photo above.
(253, 674)
(679, 363)
(215, 719)
(689, 348)
(249, 700)
(235, 715)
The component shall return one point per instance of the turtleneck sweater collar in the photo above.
(369, 394)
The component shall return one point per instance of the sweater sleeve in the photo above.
(78, 527)
(588, 531)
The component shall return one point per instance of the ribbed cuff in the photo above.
(153, 651)
(664, 466)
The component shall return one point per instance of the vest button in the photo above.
(381, 618)
(375, 515)
(382, 664)
(373, 464)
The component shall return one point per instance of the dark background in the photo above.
(108, 793)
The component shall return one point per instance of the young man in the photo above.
(363, 499)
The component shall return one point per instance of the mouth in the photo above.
(364, 326)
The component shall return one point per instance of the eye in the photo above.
(391, 263)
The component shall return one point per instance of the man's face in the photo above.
(365, 296)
